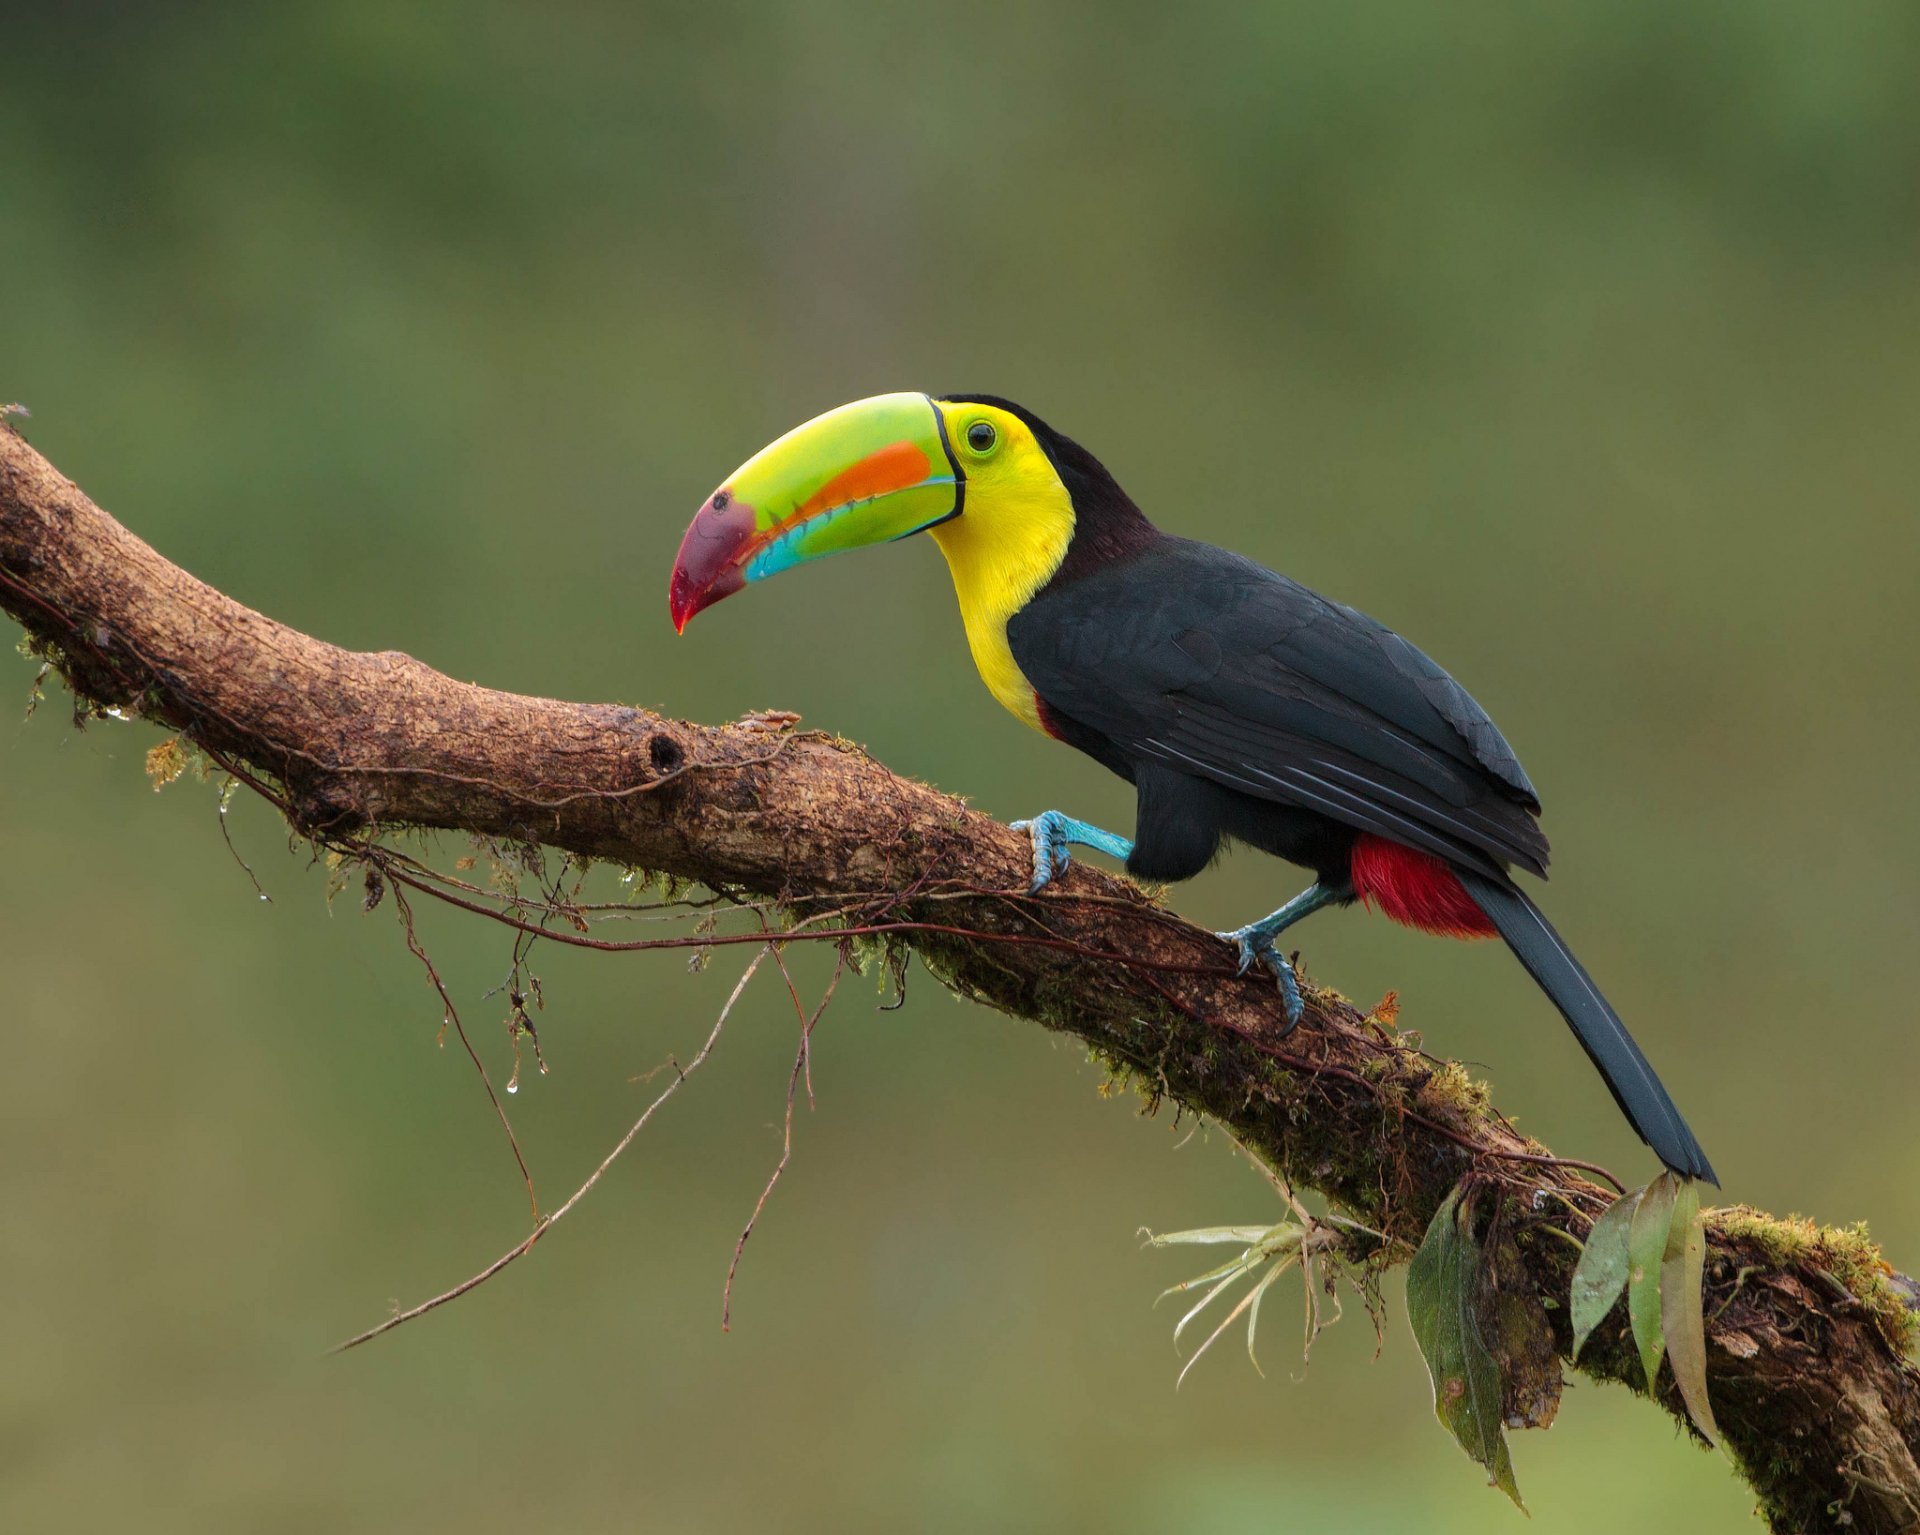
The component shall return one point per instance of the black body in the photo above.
(1242, 705)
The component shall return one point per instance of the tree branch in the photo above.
(1807, 1329)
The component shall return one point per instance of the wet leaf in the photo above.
(1680, 1308)
(1601, 1274)
(1443, 1291)
(1646, 1251)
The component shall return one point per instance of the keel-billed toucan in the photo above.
(1239, 704)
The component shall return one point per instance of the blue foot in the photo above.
(1052, 831)
(1255, 941)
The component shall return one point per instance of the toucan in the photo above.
(1241, 706)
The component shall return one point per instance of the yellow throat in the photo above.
(1012, 535)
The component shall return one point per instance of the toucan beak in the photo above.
(866, 473)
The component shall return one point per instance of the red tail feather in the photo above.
(1415, 888)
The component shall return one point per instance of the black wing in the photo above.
(1201, 660)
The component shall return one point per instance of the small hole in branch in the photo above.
(665, 754)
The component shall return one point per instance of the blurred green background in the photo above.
(1583, 347)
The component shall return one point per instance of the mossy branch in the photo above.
(1808, 1329)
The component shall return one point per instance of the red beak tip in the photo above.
(708, 567)
(683, 599)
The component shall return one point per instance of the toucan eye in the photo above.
(980, 436)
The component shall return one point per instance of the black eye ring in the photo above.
(981, 436)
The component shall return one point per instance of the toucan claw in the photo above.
(1051, 832)
(1048, 833)
(1255, 943)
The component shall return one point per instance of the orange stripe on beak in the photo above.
(898, 466)
(895, 467)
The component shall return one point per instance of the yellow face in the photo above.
(1010, 536)
(1003, 464)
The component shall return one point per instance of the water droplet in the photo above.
(514, 1086)
(264, 896)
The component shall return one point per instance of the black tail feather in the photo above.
(1625, 1070)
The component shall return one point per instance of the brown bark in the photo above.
(1806, 1337)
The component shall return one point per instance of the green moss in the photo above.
(166, 762)
(1847, 1253)
(1453, 1088)
(37, 647)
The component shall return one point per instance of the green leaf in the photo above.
(1443, 1289)
(1680, 1308)
(1646, 1251)
(1276, 1248)
(1239, 1236)
(1601, 1273)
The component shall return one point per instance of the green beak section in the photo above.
(866, 473)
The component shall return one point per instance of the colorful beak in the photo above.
(866, 473)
